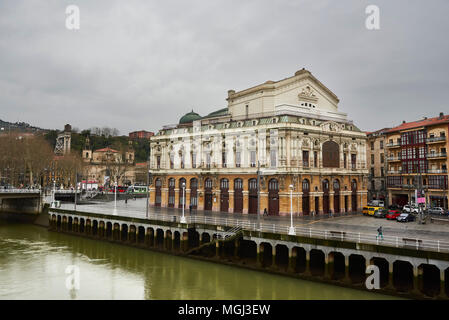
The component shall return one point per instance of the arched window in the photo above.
(208, 184)
(224, 184)
(305, 185)
(181, 182)
(336, 185)
(325, 185)
(331, 155)
(273, 185)
(238, 184)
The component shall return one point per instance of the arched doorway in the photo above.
(158, 192)
(238, 195)
(252, 197)
(325, 196)
(273, 197)
(208, 194)
(224, 195)
(354, 195)
(171, 193)
(305, 197)
(182, 192)
(194, 193)
(336, 196)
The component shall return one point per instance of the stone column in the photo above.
(245, 200)
(173, 241)
(347, 278)
(155, 238)
(308, 271)
(291, 260)
(442, 294)
(259, 254)
(417, 276)
(216, 201)
(231, 201)
(320, 204)
(178, 193)
(273, 256)
(331, 201)
(217, 249)
(185, 242)
(390, 275)
(330, 265)
(236, 248)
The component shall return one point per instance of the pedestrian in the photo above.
(379, 233)
(190, 208)
(126, 200)
(265, 212)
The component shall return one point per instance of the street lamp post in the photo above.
(258, 195)
(54, 194)
(148, 191)
(183, 218)
(291, 231)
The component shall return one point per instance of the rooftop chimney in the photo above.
(403, 121)
(441, 115)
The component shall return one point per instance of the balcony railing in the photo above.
(394, 171)
(436, 139)
(437, 171)
(394, 158)
(437, 155)
(393, 144)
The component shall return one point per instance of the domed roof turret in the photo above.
(189, 117)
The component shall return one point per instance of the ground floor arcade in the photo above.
(279, 194)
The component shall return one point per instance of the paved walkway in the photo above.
(350, 222)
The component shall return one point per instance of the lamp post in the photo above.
(54, 194)
(258, 195)
(291, 231)
(148, 191)
(183, 218)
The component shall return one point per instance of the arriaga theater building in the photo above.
(310, 158)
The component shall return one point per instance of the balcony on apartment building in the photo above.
(436, 139)
(437, 155)
(394, 171)
(393, 144)
(393, 158)
(437, 171)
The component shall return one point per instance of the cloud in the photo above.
(143, 64)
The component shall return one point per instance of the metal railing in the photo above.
(393, 144)
(20, 191)
(437, 171)
(436, 139)
(367, 238)
(437, 155)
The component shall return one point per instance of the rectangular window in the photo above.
(315, 159)
(193, 160)
(253, 158)
(158, 162)
(172, 158)
(182, 161)
(305, 159)
(273, 158)
(372, 145)
(372, 159)
(381, 144)
(223, 159)
(344, 160)
(382, 158)
(237, 159)
(382, 172)
(208, 160)
(353, 161)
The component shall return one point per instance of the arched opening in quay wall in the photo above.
(383, 266)
(281, 258)
(403, 276)
(301, 262)
(357, 268)
(317, 262)
(336, 265)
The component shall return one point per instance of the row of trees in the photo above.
(28, 160)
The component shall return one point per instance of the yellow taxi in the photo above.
(370, 210)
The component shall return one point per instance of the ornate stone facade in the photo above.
(289, 130)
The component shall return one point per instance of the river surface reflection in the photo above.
(33, 262)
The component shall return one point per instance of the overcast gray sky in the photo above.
(140, 64)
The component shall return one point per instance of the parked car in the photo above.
(436, 210)
(405, 217)
(410, 209)
(381, 213)
(369, 210)
(393, 215)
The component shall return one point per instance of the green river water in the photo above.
(33, 262)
